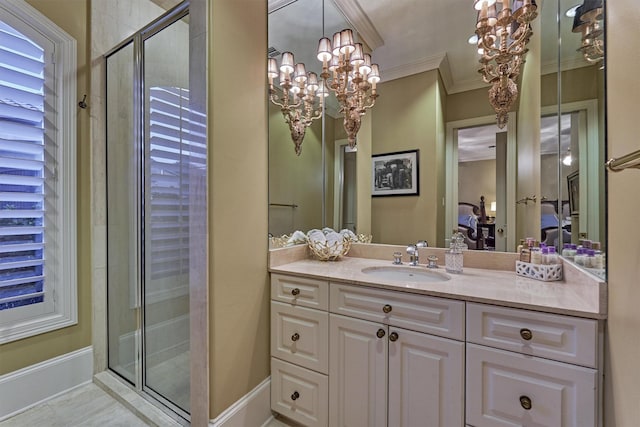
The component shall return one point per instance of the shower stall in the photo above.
(153, 145)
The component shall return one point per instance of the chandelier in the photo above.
(503, 34)
(301, 97)
(587, 21)
(348, 72)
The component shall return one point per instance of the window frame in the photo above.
(60, 148)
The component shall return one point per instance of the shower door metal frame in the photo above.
(170, 17)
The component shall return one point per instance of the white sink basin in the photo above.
(406, 274)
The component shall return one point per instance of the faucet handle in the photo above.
(422, 244)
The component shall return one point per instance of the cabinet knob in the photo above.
(295, 395)
(393, 336)
(387, 308)
(526, 334)
(295, 292)
(525, 402)
(295, 337)
(380, 333)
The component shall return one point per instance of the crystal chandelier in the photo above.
(348, 72)
(503, 34)
(587, 21)
(301, 97)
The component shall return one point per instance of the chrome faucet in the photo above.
(412, 250)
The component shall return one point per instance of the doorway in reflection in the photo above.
(481, 184)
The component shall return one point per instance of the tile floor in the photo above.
(90, 406)
(86, 406)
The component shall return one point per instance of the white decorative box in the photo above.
(544, 272)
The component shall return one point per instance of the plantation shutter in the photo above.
(22, 279)
(170, 151)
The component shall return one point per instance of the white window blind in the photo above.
(169, 233)
(22, 155)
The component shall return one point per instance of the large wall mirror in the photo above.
(540, 176)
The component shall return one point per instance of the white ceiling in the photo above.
(479, 142)
(410, 36)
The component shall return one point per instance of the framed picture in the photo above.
(573, 181)
(395, 174)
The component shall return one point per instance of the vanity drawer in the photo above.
(509, 389)
(300, 335)
(422, 313)
(302, 291)
(564, 338)
(299, 394)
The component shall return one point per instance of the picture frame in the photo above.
(573, 183)
(395, 174)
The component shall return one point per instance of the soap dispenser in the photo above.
(453, 258)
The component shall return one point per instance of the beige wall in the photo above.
(238, 153)
(409, 118)
(298, 179)
(71, 16)
(477, 179)
(622, 376)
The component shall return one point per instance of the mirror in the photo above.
(429, 93)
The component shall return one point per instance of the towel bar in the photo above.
(631, 160)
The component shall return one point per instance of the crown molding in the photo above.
(361, 22)
(273, 5)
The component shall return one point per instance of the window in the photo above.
(37, 174)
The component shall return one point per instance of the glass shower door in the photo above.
(167, 152)
(150, 151)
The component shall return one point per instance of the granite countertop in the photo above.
(579, 294)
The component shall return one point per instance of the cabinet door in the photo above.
(357, 373)
(426, 380)
(510, 389)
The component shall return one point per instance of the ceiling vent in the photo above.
(273, 52)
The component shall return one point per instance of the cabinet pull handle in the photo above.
(525, 402)
(387, 308)
(393, 336)
(380, 333)
(526, 334)
(295, 395)
(295, 337)
(295, 292)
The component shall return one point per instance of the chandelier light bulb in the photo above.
(324, 50)
(300, 75)
(286, 66)
(346, 41)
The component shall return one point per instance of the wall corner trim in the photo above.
(30, 386)
(253, 409)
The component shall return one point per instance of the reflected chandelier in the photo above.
(302, 96)
(348, 72)
(503, 34)
(587, 21)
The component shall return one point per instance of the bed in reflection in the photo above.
(468, 215)
(470, 221)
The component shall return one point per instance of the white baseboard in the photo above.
(253, 409)
(27, 387)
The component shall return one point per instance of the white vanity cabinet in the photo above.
(530, 368)
(387, 366)
(352, 355)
